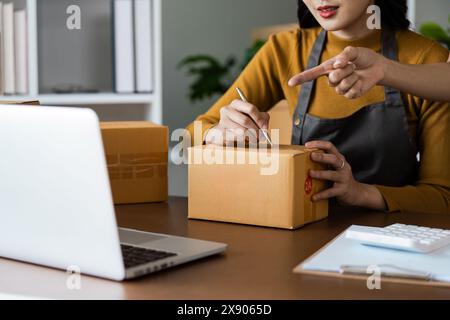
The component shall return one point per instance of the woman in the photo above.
(370, 143)
(430, 81)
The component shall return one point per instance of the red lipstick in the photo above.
(327, 12)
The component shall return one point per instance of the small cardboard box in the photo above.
(254, 192)
(137, 156)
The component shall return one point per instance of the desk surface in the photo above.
(257, 265)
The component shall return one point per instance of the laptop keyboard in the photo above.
(135, 256)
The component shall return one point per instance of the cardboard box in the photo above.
(137, 155)
(247, 194)
(281, 120)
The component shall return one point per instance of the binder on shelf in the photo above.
(143, 33)
(124, 77)
(8, 48)
(20, 48)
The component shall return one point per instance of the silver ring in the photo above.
(342, 166)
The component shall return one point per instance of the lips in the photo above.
(328, 11)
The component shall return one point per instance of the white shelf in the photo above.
(152, 100)
(88, 98)
(96, 98)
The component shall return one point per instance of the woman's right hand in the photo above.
(239, 122)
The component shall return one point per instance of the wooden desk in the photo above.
(257, 265)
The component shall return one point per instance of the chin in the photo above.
(331, 25)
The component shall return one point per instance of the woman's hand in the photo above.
(352, 73)
(239, 122)
(344, 188)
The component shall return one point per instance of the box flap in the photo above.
(283, 150)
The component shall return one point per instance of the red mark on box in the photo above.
(308, 185)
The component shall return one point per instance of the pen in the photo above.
(265, 133)
(395, 272)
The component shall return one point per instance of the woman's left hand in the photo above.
(345, 188)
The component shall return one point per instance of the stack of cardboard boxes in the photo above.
(137, 158)
(258, 186)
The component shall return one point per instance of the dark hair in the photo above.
(393, 15)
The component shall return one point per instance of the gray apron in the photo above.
(374, 140)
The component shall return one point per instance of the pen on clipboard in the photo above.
(395, 272)
(265, 133)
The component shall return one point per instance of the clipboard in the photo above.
(313, 266)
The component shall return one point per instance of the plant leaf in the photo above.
(210, 75)
(251, 52)
(434, 31)
(198, 59)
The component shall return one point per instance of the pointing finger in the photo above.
(312, 73)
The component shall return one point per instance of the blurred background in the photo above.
(76, 66)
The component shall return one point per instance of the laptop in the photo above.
(56, 206)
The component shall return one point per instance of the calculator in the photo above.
(401, 237)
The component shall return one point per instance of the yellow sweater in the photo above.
(284, 55)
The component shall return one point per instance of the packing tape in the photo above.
(137, 166)
(138, 172)
(136, 158)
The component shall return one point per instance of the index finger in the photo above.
(312, 74)
(326, 146)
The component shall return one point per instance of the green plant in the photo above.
(211, 76)
(434, 31)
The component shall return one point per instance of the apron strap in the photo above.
(393, 97)
(307, 88)
(389, 50)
